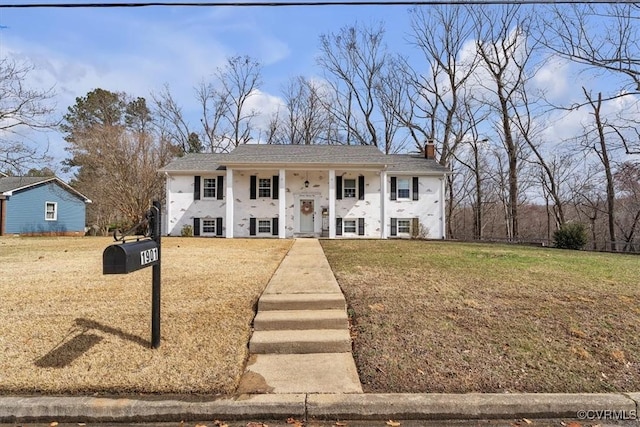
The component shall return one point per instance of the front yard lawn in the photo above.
(453, 317)
(66, 328)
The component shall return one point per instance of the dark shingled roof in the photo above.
(272, 155)
(197, 162)
(414, 163)
(307, 154)
(12, 183)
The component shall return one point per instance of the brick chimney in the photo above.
(430, 150)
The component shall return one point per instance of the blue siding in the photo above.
(26, 211)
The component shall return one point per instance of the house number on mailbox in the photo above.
(148, 256)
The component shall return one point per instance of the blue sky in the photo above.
(138, 50)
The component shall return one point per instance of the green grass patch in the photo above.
(454, 317)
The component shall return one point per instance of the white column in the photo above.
(282, 204)
(383, 204)
(443, 227)
(167, 212)
(332, 204)
(229, 206)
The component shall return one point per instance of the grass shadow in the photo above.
(87, 324)
(68, 350)
(64, 355)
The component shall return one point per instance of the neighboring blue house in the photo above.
(40, 206)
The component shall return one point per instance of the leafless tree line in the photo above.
(471, 83)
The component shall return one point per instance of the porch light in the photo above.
(306, 184)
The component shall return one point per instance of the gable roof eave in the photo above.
(46, 180)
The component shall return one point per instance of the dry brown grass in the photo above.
(452, 317)
(66, 328)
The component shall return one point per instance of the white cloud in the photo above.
(553, 78)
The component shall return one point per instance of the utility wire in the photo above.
(299, 3)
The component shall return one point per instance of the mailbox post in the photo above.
(155, 224)
(127, 257)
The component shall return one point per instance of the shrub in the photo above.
(570, 236)
(187, 231)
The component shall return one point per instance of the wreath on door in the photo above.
(306, 207)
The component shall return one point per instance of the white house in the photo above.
(291, 191)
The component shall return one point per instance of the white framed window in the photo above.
(349, 188)
(404, 188)
(264, 226)
(404, 226)
(349, 226)
(208, 226)
(51, 211)
(264, 187)
(209, 188)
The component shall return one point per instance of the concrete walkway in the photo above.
(301, 341)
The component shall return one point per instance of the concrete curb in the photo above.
(464, 406)
(82, 409)
(320, 407)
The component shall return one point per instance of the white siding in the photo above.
(244, 207)
(369, 208)
(428, 208)
(182, 208)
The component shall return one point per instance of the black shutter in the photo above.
(252, 226)
(338, 226)
(360, 226)
(196, 187)
(219, 226)
(220, 188)
(275, 187)
(274, 227)
(338, 187)
(415, 227)
(394, 186)
(252, 186)
(361, 187)
(415, 188)
(196, 226)
(394, 227)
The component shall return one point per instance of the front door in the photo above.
(306, 215)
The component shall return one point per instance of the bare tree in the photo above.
(441, 34)
(627, 180)
(597, 139)
(505, 51)
(171, 124)
(305, 119)
(354, 59)
(606, 38)
(21, 108)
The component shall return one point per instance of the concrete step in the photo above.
(300, 373)
(300, 341)
(275, 320)
(326, 301)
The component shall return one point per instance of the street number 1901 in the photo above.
(148, 256)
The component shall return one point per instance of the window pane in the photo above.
(209, 226)
(349, 188)
(264, 187)
(404, 226)
(50, 211)
(349, 226)
(209, 188)
(403, 188)
(264, 226)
